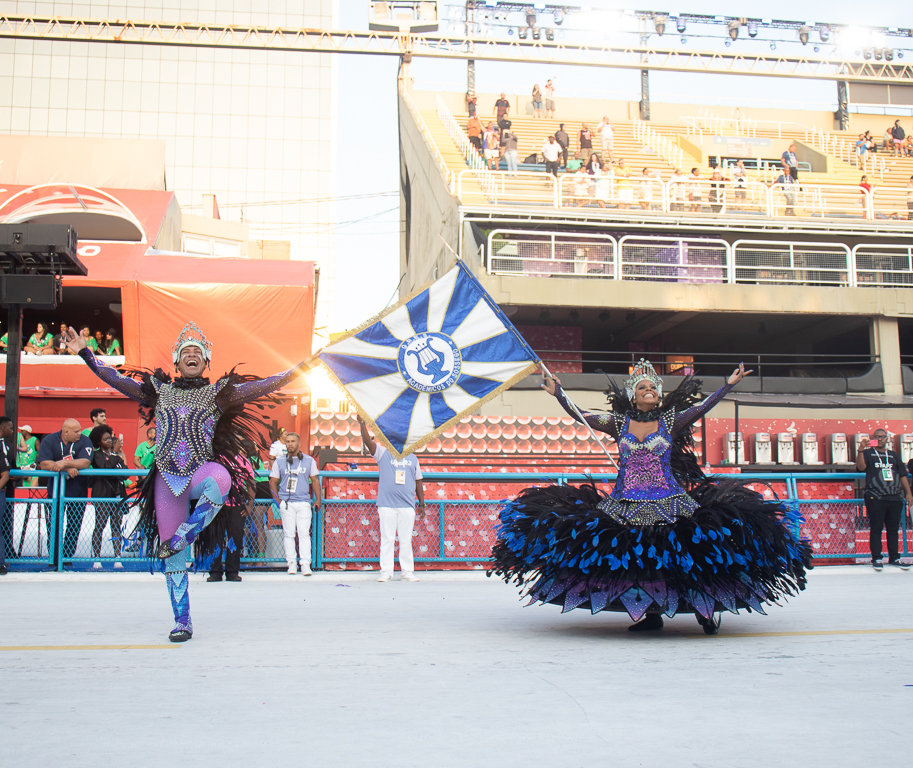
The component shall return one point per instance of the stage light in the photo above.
(728, 43)
(878, 54)
(550, 34)
(684, 41)
(803, 35)
(900, 54)
(752, 29)
(559, 16)
(537, 33)
(522, 32)
(734, 29)
(659, 24)
(824, 34)
(531, 19)
(816, 49)
(889, 54)
(867, 53)
(773, 46)
(680, 25)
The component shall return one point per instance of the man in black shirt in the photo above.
(563, 140)
(886, 486)
(69, 451)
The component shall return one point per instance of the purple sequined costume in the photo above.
(665, 540)
(200, 426)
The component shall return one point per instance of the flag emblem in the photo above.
(429, 361)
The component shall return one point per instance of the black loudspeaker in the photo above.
(31, 291)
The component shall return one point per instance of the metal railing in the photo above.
(470, 154)
(741, 125)
(436, 155)
(663, 146)
(542, 253)
(500, 188)
(459, 527)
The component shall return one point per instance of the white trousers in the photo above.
(296, 517)
(396, 521)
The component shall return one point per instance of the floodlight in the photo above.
(879, 52)
(803, 35)
(559, 16)
(522, 32)
(550, 34)
(889, 54)
(867, 53)
(773, 46)
(752, 29)
(531, 19)
(659, 24)
(734, 29)
(537, 33)
(680, 25)
(824, 34)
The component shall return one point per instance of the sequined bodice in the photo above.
(186, 420)
(646, 466)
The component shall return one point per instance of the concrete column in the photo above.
(885, 342)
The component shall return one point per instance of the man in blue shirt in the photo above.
(789, 190)
(69, 451)
(289, 482)
(399, 484)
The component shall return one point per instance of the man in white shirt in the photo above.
(607, 138)
(291, 480)
(550, 151)
(278, 448)
(398, 486)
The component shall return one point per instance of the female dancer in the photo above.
(666, 539)
(200, 429)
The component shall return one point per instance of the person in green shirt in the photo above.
(574, 163)
(99, 419)
(40, 342)
(86, 333)
(29, 455)
(144, 457)
(3, 341)
(112, 343)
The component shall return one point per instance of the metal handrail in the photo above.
(426, 135)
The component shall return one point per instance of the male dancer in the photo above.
(200, 426)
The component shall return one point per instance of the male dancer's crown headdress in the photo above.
(643, 370)
(191, 336)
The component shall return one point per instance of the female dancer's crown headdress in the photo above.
(191, 336)
(643, 370)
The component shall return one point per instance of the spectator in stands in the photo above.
(550, 99)
(869, 142)
(100, 343)
(645, 189)
(511, 150)
(864, 197)
(399, 485)
(564, 142)
(502, 109)
(292, 480)
(490, 143)
(86, 333)
(586, 142)
(886, 486)
(678, 190)
(593, 164)
(236, 510)
(70, 452)
(471, 102)
(278, 448)
(550, 151)
(98, 417)
(898, 135)
(861, 150)
(8, 447)
(112, 343)
(502, 142)
(537, 101)
(40, 343)
(607, 138)
(887, 141)
(603, 189)
(908, 145)
(740, 184)
(574, 163)
(910, 199)
(3, 341)
(787, 185)
(474, 130)
(144, 456)
(717, 194)
(695, 188)
(581, 187)
(6, 533)
(791, 161)
(108, 454)
(624, 186)
(60, 341)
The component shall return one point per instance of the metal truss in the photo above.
(441, 47)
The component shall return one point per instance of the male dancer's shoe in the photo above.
(651, 621)
(180, 604)
(712, 625)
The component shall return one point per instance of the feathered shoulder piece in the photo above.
(686, 394)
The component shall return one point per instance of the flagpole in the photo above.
(580, 417)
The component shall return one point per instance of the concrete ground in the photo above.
(452, 671)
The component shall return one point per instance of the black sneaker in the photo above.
(233, 577)
(214, 577)
(898, 564)
(877, 565)
(4, 570)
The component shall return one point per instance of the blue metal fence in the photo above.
(47, 529)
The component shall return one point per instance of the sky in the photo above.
(367, 245)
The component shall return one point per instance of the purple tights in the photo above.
(171, 510)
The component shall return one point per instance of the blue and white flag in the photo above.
(429, 361)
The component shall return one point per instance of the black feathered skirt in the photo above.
(737, 551)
